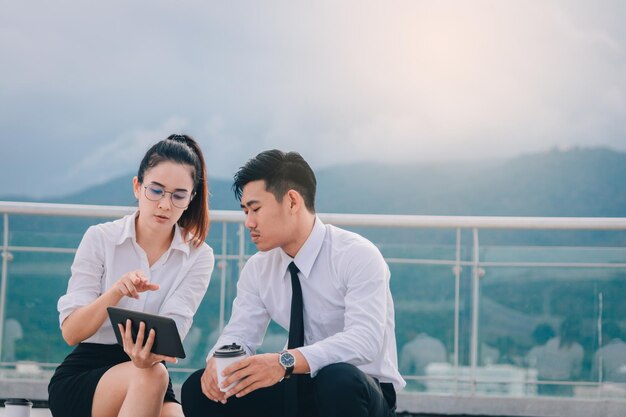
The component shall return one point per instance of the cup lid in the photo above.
(229, 351)
(17, 401)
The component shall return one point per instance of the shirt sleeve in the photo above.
(366, 278)
(249, 318)
(182, 305)
(85, 284)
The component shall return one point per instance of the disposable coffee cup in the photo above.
(17, 407)
(225, 356)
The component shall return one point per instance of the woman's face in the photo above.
(164, 195)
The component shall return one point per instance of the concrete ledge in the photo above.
(33, 389)
(445, 405)
(422, 404)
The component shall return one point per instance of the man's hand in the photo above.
(253, 372)
(209, 383)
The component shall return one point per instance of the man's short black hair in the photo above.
(281, 171)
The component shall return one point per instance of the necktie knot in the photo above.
(293, 268)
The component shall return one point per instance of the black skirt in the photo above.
(73, 385)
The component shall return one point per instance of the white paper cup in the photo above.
(225, 356)
(17, 407)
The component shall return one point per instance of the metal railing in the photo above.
(473, 224)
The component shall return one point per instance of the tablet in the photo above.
(166, 342)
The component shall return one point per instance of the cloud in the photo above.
(123, 154)
(400, 81)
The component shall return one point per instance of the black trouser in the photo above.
(337, 390)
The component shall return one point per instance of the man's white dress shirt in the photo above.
(423, 350)
(348, 309)
(556, 362)
(612, 356)
(109, 250)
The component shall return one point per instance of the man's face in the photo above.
(267, 219)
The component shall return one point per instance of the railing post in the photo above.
(224, 264)
(3, 282)
(242, 247)
(600, 363)
(457, 306)
(457, 296)
(475, 307)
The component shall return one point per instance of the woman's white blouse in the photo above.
(109, 250)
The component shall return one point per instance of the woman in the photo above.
(155, 261)
(560, 360)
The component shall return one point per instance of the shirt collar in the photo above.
(178, 242)
(129, 232)
(306, 256)
(128, 228)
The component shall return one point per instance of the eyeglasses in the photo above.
(180, 199)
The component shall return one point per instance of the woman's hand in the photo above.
(85, 321)
(132, 283)
(138, 352)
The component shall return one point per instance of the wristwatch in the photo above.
(287, 361)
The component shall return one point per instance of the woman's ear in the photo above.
(136, 187)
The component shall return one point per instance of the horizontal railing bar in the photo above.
(451, 378)
(507, 264)
(52, 249)
(486, 379)
(373, 220)
(400, 261)
(479, 222)
(555, 264)
(41, 249)
(74, 210)
(418, 261)
(41, 364)
(85, 210)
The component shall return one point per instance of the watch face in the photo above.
(287, 359)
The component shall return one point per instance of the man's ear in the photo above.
(295, 200)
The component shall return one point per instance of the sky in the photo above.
(87, 86)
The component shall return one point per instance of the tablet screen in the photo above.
(166, 342)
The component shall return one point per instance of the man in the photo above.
(420, 351)
(611, 357)
(345, 362)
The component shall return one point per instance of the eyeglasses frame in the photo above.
(171, 193)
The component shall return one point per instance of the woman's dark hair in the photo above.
(281, 172)
(570, 332)
(184, 150)
(542, 333)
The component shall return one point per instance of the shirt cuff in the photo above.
(316, 357)
(69, 303)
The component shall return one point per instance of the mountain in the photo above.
(575, 182)
(119, 192)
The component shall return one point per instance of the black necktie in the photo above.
(296, 323)
(296, 339)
